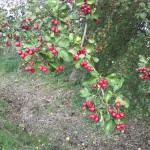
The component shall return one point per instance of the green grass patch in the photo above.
(9, 63)
(14, 137)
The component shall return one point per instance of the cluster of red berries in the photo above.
(43, 69)
(29, 51)
(79, 52)
(59, 68)
(114, 114)
(21, 54)
(89, 105)
(101, 83)
(94, 117)
(8, 43)
(25, 26)
(145, 72)
(91, 108)
(85, 65)
(117, 115)
(30, 69)
(85, 8)
(120, 126)
(52, 49)
(55, 30)
(54, 22)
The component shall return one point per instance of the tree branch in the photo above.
(84, 33)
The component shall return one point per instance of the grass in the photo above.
(14, 136)
(9, 63)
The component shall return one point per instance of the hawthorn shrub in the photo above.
(102, 39)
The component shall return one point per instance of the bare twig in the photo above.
(84, 33)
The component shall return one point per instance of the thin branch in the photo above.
(84, 33)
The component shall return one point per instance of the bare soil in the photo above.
(44, 108)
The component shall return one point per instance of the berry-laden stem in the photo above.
(84, 33)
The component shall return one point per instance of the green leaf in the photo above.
(81, 56)
(115, 82)
(89, 49)
(107, 96)
(125, 102)
(85, 92)
(71, 35)
(47, 37)
(90, 81)
(77, 63)
(54, 65)
(64, 54)
(49, 54)
(27, 58)
(94, 73)
(143, 15)
(95, 59)
(91, 2)
(64, 43)
(91, 41)
(77, 39)
(108, 126)
(36, 65)
(26, 45)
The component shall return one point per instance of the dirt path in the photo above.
(43, 108)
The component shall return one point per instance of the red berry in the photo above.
(31, 52)
(23, 55)
(54, 51)
(118, 127)
(92, 116)
(53, 29)
(60, 67)
(114, 114)
(36, 27)
(52, 21)
(27, 50)
(20, 52)
(96, 119)
(40, 68)
(85, 104)
(55, 22)
(18, 44)
(117, 116)
(95, 85)
(110, 110)
(56, 31)
(122, 114)
(36, 49)
(118, 104)
(75, 57)
(45, 69)
(88, 68)
(51, 47)
(122, 126)
(89, 104)
(40, 39)
(92, 109)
